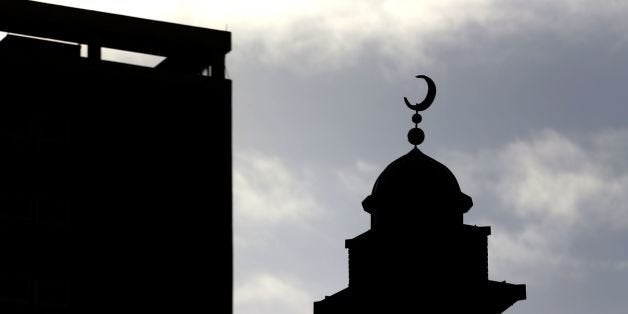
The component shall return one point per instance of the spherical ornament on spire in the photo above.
(416, 136)
(416, 118)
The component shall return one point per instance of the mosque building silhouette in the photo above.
(418, 255)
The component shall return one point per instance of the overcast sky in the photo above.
(530, 115)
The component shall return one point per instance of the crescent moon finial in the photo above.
(416, 135)
(429, 98)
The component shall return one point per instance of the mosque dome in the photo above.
(416, 180)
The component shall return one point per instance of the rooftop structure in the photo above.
(418, 255)
(115, 186)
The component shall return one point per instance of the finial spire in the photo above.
(416, 135)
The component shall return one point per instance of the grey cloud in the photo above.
(270, 293)
(288, 236)
(559, 211)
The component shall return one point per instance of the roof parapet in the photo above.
(199, 47)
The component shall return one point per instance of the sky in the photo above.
(530, 115)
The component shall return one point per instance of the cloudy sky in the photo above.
(530, 115)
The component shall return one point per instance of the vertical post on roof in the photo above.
(94, 52)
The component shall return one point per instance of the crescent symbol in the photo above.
(429, 98)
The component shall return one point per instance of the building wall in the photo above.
(116, 187)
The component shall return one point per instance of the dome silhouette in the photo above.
(420, 181)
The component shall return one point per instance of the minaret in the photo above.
(419, 256)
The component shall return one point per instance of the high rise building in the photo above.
(419, 256)
(115, 179)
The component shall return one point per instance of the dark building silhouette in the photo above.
(115, 179)
(419, 256)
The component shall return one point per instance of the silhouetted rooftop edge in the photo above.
(110, 30)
